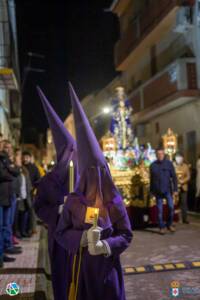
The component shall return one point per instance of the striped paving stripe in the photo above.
(162, 267)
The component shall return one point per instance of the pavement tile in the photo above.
(149, 248)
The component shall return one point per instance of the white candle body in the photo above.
(71, 177)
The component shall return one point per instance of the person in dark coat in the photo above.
(52, 191)
(34, 177)
(7, 208)
(23, 189)
(31, 167)
(94, 227)
(163, 184)
(5, 179)
(15, 171)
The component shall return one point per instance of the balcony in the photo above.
(145, 30)
(173, 86)
(8, 79)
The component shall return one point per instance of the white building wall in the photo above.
(4, 125)
(4, 110)
(182, 120)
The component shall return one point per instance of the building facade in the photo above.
(158, 55)
(10, 96)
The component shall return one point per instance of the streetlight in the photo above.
(106, 110)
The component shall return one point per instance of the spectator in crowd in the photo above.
(23, 198)
(16, 184)
(14, 171)
(183, 175)
(163, 184)
(34, 177)
(7, 174)
(197, 201)
(5, 178)
(17, 161)
(31, 167)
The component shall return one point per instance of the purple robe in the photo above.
(50, 194)
(100, 277)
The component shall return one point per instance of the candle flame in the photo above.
(71, 164)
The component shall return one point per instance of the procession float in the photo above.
(129, 163)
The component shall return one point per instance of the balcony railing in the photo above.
(180, 76)
(142, 25)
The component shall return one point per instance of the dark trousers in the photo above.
(170, 204)
(22, 217)
(22, 222)
(13, 210)
(183, 205)
(32, 220)
(7, 216)
(6, 227)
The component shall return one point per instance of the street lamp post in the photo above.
(29, 69)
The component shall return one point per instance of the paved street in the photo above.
(31, 270)
(150, 248)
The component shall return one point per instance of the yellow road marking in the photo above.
(161, 267)
(196, 263)
(129, 270)
(169, 266)
(158, 267)
(180, 266)
(140, 269)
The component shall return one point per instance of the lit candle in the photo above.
(96, 213)
(71, 176)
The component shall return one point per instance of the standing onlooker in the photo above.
(5, 177)
(183, 175)
(163, 183)
(31, 167)
(16, 185)
(12, 200)
(34, 177)
(197, 202)
(23, 199)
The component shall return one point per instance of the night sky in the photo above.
(77, 39)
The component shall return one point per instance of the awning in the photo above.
(7, 79)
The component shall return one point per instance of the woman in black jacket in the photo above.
(5, 181)
(23, 192)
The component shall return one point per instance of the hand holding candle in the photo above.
(94, 232)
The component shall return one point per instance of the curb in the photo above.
(162, 267)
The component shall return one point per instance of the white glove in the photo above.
(84, 240)
(94, 235)
(60, 209)
(101, 247)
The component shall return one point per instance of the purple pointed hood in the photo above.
(94, 173)
(64, 143)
